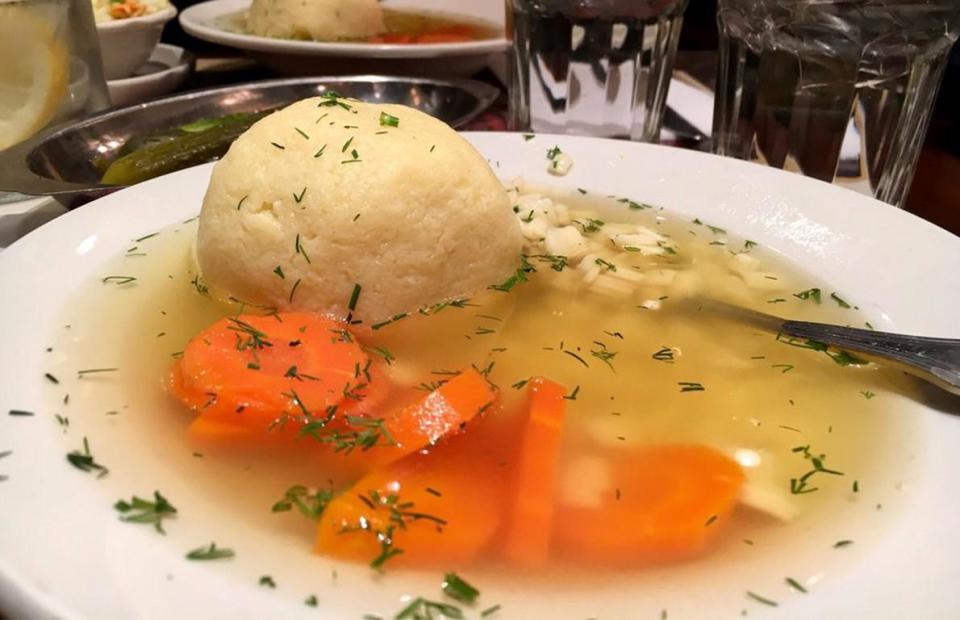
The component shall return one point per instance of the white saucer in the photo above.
(166, 69)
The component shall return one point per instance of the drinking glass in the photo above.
(50, 66)
(592, 67)
(841, 91)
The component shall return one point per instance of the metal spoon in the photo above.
(936, 360)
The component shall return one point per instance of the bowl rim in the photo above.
(156, 18)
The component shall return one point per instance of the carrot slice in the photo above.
(258, 370)
(439, 507)
(410, 427)
(658, 503)
(529, 524)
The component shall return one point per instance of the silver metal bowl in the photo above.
(63, 162)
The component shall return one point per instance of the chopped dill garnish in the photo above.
(319, 153)
(302, 133)
(298, 248)
(519, 384)
(299, 197)
(456, 588)
(603, 354)
(92, 371)
(279, 271)
(386, 120)
(489, 611)
(786, 367)
(573, 395)
(352, 303)
(793, 583)
(210, 552)
(267, 581)
(527, 137)
(119, 280)
(576, 357)
(810, 293)
(85, 462)
(840, 301)
(279, 146)
(690, 386)
(310, 502)
(20, 412)
(842, 543)
(139, 510)
(799, 486)
(311, 601)
(51, 378)
(607, 265)
(762, 599)
(293, 291)
(346, 145)
(868, 394)
(664, 354)
(422, 609)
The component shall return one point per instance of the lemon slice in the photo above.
(34, 73)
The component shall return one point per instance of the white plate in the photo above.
(206, 21)
(63, 551)
(163, 73)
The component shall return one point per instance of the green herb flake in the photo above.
(762, 599)
(302, 133)
(319, 153)
(840, 301)
(386, 120)
(311, 601)
(94, 371)
(527, 137)
(267, 581)
(352, 303)
(85, 462)
(489, 611)
(118, 280)
(842, 543)
(690, 386)
(310, 502)
(279, 271)
(298, 198)
(456, 588)
(423, 609)
(867, 394)
(279, 146)
(20, 412)
(210, 552)
(139, 510)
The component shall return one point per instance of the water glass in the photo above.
(592, 67)
(840, 91)
(50, 66)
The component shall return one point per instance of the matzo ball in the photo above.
(331, 197)
(318, 20)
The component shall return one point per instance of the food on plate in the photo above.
(363, 211)
(318, 20)
(553, 405)
(283, 19)
(111, 10)
(187, 145)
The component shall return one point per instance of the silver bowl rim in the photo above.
(16, 175)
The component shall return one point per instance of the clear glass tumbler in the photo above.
(841, 91)
(50, 66)
(592, 67)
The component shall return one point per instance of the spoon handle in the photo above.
(935, 359)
